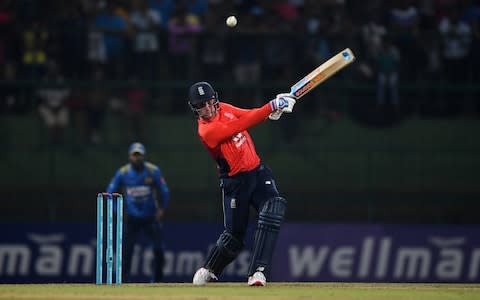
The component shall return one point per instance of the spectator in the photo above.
(340, 28)
(164, 8)
(181, 30)
(317, 51)
(404, 19)
(456, 38)
(7, 34)
(12, 100)
(197, 7)
(96, 50)
(373, 33)
(146, 24)
(53, 103)
(388, 62)
(404, 25)
(246, 59)
(286, 9)
(72, 28)
(113, 30)
(34, 50)
(97, 107)
(472, 17)
(213, 47)
(277, 49)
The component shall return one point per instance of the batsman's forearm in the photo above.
(223, 132)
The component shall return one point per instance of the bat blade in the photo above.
(322, 73)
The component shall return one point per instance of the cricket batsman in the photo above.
(244, 180)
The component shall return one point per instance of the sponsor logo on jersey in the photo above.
(139, 191)
(239, 139)
(229, 115)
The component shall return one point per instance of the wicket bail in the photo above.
(109, 237)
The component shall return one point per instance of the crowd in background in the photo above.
(396, 42)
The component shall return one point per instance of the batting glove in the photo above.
(274, 116)
(283, 102)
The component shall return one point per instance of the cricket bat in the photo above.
(322, 73)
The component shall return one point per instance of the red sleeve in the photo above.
(217, 132)
(237, 111)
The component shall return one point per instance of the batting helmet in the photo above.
(200, 93)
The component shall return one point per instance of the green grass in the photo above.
(277, 291)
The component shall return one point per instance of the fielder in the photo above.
(244, 180)
(142, 182)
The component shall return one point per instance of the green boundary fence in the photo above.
(330, 168)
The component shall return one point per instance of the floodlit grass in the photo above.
(278, 291)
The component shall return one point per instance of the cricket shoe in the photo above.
(257, 279)
(202, 276)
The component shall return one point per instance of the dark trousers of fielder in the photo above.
(153, 232)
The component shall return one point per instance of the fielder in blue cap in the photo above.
(136, 148)
(140, 181)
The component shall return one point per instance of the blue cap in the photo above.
(201, 92)
(136, 148)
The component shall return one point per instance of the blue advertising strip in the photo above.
(41, 253)
(64, 252)
(378, 253)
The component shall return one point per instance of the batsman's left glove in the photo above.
(282, 103)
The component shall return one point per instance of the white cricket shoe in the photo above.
(257, 279)
(202, 276)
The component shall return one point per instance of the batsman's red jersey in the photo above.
(226, 137)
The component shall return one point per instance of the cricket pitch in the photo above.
(215, 291)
